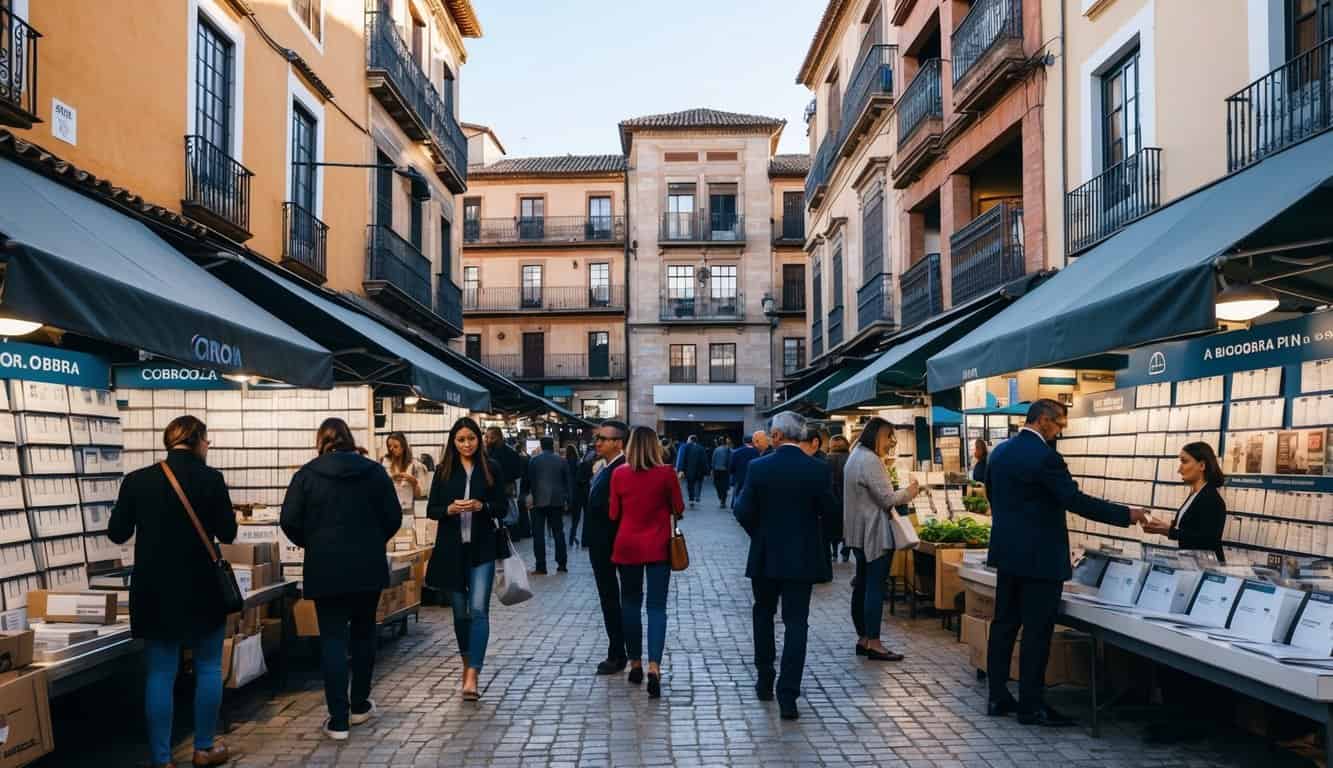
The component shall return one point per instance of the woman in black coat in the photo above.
(1199, 522)
(174, 597)
(342, 508)
(468, 498)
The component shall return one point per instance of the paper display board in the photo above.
(1214, 599)
(1167, 589)
(1313, 627)
(1264, 611)
(1122, 581)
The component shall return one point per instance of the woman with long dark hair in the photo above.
(468, 498)
(342, 508)
(1199, 522)
(980, 455)
(408, 474)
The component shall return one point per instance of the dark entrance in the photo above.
(534, 352)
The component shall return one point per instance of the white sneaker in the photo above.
(332, 734)
(364, 717)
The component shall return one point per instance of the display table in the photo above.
(1305, 691)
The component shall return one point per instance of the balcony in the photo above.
(1121, 194)
(789, 230)
(558, 300)
(987, 52)
(409, 96)
(702, 228)
(874, 302)
(545, 231)
(217, 189)
(1285, 106)
(449, 302)
(18, 70)
(397, 274)
(988, 252)
(923, 295)
(920, 124)
(821, 168)
(609, 366)
(834, 327)
(868, 95)
(304, 243)
(793, 298)
(816, 339)
(702, 309)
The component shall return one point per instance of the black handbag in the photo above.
(232, 599)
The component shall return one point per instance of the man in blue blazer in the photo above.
(1029, 488)
(599, 536)
(782, 505)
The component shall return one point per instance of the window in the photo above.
(722, 218)
(599, 218)
(599, 284)
(446, 249)
(793, 355)
(817, 292)
(414, 223)
(213, 82)
(722, 285)
(420, 41)
(1310, 22)
(471, 219)
(872, 234)
(447, 89)
(793, 216)
(531, 218)
(471, 286)
(472, 346)
(383, 190)
(599, 408)
(793, 287)
(303, 157)
(682, 370)
(834, 110)
(599, 354)
(836, 286)
(310, 13)
(722, 363)
(680, 281)
(1120, 110)
(680, 211)
(532, 286)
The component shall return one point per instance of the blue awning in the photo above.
(1151, 281)
(944, 417)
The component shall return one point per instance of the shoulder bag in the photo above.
(680, 554)
(232, 599)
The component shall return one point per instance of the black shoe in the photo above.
(764, 688)
(788, 710)
(654, 686)
(860, 650)
(635, 675)
(885, 655)
(1002, 707)
(611, 666)
(562, 569)
(538, 571)
(1046, 717)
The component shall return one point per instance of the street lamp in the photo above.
(770, 306)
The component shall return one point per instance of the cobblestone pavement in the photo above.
(543, 706)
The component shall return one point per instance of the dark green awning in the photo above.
(816, 395)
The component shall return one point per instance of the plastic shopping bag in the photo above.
(511, 583)
(247, 661)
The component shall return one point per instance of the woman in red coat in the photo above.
(645, 495)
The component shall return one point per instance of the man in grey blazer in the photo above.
(549, 483)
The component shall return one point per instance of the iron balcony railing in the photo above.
(216, 184)
(789, 229)
(821, 167)
(816, 339)
(682, 374)
(702, 226)
(834, 327)
(989, 23)
(449, 300)
(988, 252)
(1121, 194)
(387, 53)
(921, 100)
(305, 240)
(18, 69)
(703, 307)
(874, 301)
(393, 260)
(1291, 103)
(558, 366)
(515, 298)
(548, 229)
(923, 295)
(793, 297)
(873, 77)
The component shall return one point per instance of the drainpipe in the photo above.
(1064, 135)
(629, 239)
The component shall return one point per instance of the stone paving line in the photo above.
(542, 705)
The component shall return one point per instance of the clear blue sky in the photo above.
(556, 76)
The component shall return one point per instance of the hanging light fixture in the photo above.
(12, 326)
(411, 400)
(239, 378)
(1242, 302)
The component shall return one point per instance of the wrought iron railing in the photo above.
(923, 295)
(515, 298)
(1119, 195)
(558, 366)
(703, 307)
(449, 300)
(793, 296)
(816, 338)
(873, 77)
(305, 239)
(548, 229)
(1287, 105)
(834, 327)
(987, 252)
(393, 260)
(922, 99)
(217, 183)
(989, 23)
(790, 229)
(18, 69)
(682, 374)
(702, 226)
(874, 301)
(387, 53)
(821, 167)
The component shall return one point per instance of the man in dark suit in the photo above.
(1029, 488)
(740, 460)
(599, 534)
(785, 496)
(550, 484)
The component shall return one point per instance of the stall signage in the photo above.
(1286, 343)
(169, 376)
(33, 362)
(1103, 403)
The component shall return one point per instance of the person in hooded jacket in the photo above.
(342, 509)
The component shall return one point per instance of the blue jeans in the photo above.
(162, 659)
(347, 628)
(472, 606)
(868, 594)
(631, 608)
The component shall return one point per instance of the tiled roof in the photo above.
(789, 165)
(696, 118)
(817, 43)
(555, 165)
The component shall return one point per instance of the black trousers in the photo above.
(795, 597)
(346, 624)
(722, 483)
(608, 594)
(552, 519)
(1029, 604)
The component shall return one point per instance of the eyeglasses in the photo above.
(604, 438)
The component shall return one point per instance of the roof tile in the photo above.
(789, 165)
(554, 165)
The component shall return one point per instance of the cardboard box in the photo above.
(1069, 663)
(979, 601)
(72, 607)
(250, 553)
(228, 644)
(411, 593)
(948, 583)
(25, 702)
(15, 650)
(391, 601)
(305, 618)
(251, 621)
(271, 632)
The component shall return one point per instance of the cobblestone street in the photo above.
(543, 706)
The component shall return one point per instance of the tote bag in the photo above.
(900, 532)
(511, 577)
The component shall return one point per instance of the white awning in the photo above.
(703, 394)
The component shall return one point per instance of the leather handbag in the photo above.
(232, 599)
(680, 554)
